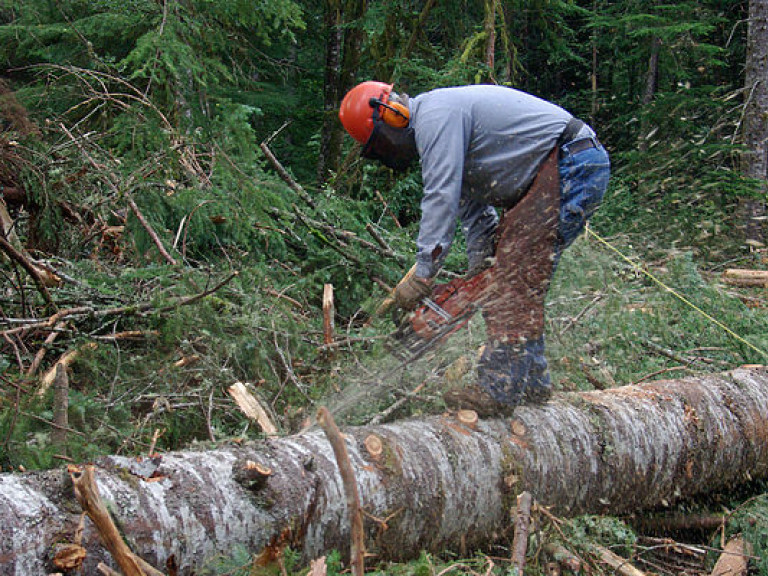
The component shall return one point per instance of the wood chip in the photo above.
(251, 407)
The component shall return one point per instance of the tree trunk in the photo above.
(755, 161)
(490, 42)
(438, 483)
(330, 135)
(354, 12)
(418, 30)
(649, 93)
(343, 20)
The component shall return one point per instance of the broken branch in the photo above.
(87, 494)
(357, 550)
(251, 407)
(283, 173)
(34, 273)
(522, 522)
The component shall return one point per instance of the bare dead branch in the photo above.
(87, 494)
(34, 273)
(357, 549)
(283, 173)
(142, 308)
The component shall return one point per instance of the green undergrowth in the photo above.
(618, 314)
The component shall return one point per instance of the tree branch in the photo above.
(357, 549)
(31, 270)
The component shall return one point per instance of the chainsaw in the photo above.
(448, 309)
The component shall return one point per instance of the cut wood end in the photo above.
(518, 428)
(524, 501)
(374, 445)
(467, 417)
(69, 557)
(256, 469)
(318, 567)
(74, 471)
(50, 279)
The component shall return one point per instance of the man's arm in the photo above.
(442, 136)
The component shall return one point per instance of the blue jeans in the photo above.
(583, 182)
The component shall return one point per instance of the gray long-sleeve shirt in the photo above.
(480, 147)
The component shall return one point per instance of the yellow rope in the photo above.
(672, 291)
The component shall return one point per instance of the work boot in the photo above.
(513, 373)
(508, 375)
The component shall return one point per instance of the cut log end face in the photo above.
(374, 446)
(467, 418)
(518, 428)
(69, 557)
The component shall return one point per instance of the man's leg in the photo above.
(584, 179)
(527, 236)
(513, 367)
(531, 238)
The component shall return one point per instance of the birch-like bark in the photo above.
(438, 483)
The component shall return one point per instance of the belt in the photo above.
(579, 145)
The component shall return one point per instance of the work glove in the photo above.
(411, 291)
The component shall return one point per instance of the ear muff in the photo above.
(395, 115)
(392, 113)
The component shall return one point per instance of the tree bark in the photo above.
(330, 134)
(438, 483)
(490, 43)
(755, 160)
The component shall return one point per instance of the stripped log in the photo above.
(440, 485)
(747, 278)
(734, 561)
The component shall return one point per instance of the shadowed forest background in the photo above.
(177, 194)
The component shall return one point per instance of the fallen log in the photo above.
(741, 277)
(439, 484)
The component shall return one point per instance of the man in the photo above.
(485, 147)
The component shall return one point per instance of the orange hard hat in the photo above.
(356, 112)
